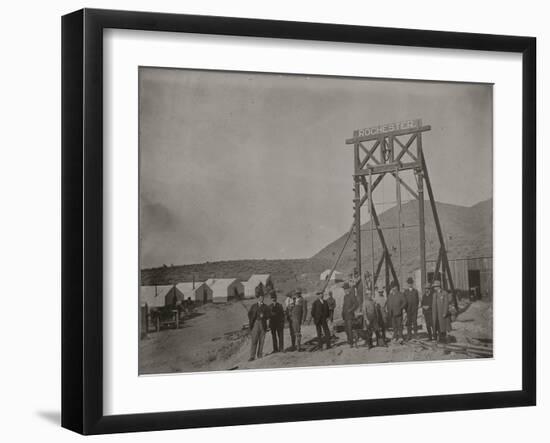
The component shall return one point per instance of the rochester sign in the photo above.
(390, 127)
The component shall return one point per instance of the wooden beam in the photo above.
(406, 149)
(378, 269)
(444, 259)
(369, 153)
(387, 167)
(356, 139)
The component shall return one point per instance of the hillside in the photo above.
(287, 274)
(467, 230)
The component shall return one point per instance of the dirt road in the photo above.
(214, 340)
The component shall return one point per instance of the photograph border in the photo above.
(82, 220)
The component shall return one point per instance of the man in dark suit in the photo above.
(441, 312)
(412, 299)
(276, 323)
(427, 302)
(349, 306)
(320, 313)
(298, 317)
(257, 317)
(396, 304)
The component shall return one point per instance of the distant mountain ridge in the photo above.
(468, 233)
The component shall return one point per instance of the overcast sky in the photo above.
(244, 165)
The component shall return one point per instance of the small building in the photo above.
(253, 282)
(158, 296)
(198, 292)
(335, 277)
(470, 273)
(225, 289)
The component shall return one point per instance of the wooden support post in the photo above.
(398, 195)
(437, 265)
(357, 215)
(421, 228)
(444, 260)
(378, 269)
(387, 267)
(384, 245)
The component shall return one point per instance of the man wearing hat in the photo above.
(396, 305)
(426, 302)
(298, 316)
(412, 299)
(441, 315)
(320, 314)
(289, 306)
(349, 306)
(276, 322)
(381, 310)
(257, 317)
(331, 306)
(372, 321)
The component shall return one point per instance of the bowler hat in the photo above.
(410, 280)
(436, 284)
(345, 285)
(318, 292)
(298, 292)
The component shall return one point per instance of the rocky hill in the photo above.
(468, 233)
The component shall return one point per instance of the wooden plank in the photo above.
(387, 167)
(356, 139)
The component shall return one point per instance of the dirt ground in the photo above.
(214, 340)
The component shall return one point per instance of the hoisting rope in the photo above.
(339, 257)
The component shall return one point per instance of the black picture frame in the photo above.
(82, 220)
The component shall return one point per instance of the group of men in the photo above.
(380, 313)
(383, 312)
(262, 317)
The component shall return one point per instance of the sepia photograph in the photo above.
(294, 220)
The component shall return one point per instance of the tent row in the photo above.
(213, 290)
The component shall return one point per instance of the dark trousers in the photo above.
(331, 315)
(412, 325)
(258, 337)
(381, 324)
(438, 333)
(429, 323)
(348, 325)
(291, 332)
(278, 338)
(322, 328)
(397, 325)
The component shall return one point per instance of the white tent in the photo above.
(336, 276)
(224, 288)
(253, 282)
(159, 295)
(199, 292)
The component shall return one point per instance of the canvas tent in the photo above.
(253, 282)
(336, 276)
(199, 292)
(224, 289)
(159, 295)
